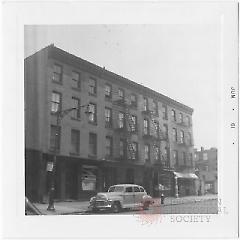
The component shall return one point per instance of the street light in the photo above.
(60, 115)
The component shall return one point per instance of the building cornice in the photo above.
(70, 59)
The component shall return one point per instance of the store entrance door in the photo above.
(71, 181)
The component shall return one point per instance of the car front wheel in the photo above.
(116, 207)
(146, 206)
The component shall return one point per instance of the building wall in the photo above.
(206, 163)
(38, 118)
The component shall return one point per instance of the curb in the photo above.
(189, 201)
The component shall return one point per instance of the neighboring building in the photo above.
(206, 167)
(130, 134)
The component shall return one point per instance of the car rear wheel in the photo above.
(116, 207)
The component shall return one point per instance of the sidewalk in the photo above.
(182, 200)
(74, 207)
(64, 208)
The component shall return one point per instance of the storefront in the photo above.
(186, 183)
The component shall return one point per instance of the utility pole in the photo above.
(60, 115)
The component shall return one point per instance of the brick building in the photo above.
(128, 133)
(206, 166)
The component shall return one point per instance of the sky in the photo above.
(179, 61)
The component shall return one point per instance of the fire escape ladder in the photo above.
(132, 127)
(130, 121)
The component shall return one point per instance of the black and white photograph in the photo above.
(97, 140)
(132, 121)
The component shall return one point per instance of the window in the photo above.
(146, 152)
(165, 115)
(55, 138)
(121, 94)
(108, 91)
(189, 138)
(135, 150)
(109, 148)
(129, 189)
(134, 123)
(121, 120)
(188, 122)
(56, 103)
(205, 156)
(145, 127)
(157, 128)
(191, 159)
(76, 80)
(181, 117)
(57, 73)
(92, 144)
(165, 130)
(76, 104)
(184, 158)
(145, 104)
(181, 136)
(92, 113)
(155, 108)
(174, 134)
(142, 189)
(121, 148)
(133, 99)
(165, 153)
(75, 141)
(136, 189)
(206, 168)
(92, 86)
(108, 117)
(173, 115)
(156, 153)
(175, 157)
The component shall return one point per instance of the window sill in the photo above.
(92, 156)
(51, 150)
(92, 123)
(76, 119)
(92, 94)
(76, 89)
(74, 154)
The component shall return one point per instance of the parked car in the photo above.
(121, 196)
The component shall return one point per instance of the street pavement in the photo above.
(81, 207)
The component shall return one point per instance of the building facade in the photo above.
(118, 132)
(206, 166)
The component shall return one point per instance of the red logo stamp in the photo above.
(150, 216)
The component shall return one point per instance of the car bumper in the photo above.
(95, 206)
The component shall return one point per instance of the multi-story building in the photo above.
(127, 134)
(206, 167)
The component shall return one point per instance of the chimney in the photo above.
(202, 149)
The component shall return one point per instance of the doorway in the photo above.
(71, 181)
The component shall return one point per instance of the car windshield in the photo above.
(116, 189)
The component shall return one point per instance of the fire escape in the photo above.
(129, 127)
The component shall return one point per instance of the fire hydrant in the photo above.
(162, 198)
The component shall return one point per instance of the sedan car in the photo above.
(121, 196)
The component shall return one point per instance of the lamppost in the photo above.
(60, 115)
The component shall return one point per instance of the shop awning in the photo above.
(186, 175)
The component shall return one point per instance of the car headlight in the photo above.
(92, 199)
